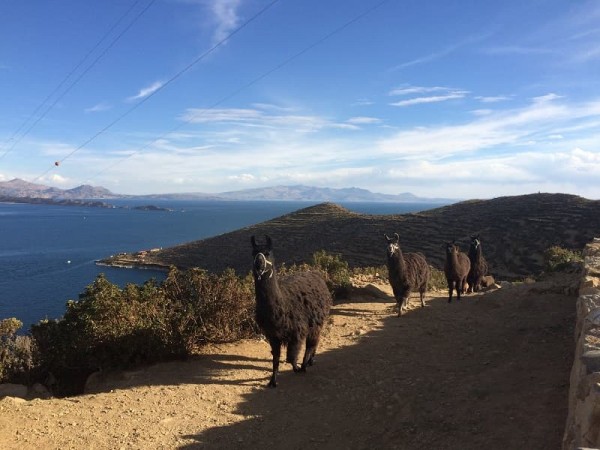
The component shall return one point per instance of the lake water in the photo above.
(48, 253)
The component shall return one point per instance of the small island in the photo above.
(151, 208)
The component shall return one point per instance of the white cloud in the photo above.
(225, 15)
(492, 99)
(546, 98)
(362, 120)
(431, 99)
(418, 90)
(243, 178)
(254, 118)
(482, 112)
(145, 92)
(102, 106)
(445, 93)
(199, 115)
(58, 179)
(548, 144)
(507, 128)
(363, 102)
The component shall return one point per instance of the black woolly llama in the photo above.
(456, 269)
(407, 272)
(479, 266)
(290, 310)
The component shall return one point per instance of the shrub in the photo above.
(558, 259)
(380, 273)
(209, 308)
(335, 269)
(112, 328)
(437, 279)
(16, 353)
(107, 328)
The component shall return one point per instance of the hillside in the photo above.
(515, 232)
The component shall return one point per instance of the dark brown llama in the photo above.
(406, 272)
(456, 269)
(479, 266)
(290, 310)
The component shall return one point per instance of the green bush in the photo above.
(209, 308)
(335, 269)
(111, 328)
(437, 279)
(16, 353)
(558, 259)
(380, 273)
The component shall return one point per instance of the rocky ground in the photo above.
(491, 372)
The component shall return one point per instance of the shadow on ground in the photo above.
(491, 372)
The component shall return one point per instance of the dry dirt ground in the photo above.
(491, 372)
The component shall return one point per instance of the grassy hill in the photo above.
(515, 231)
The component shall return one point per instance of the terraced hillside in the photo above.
(515, 232)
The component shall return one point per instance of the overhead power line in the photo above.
(245, 86)
(168, 82)
(75, 81)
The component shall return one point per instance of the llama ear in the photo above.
(397, 237)
(253, 241)
(387, 238)
(269, 242)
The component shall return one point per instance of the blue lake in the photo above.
(48, 253)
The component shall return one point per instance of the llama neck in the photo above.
(475, 253)
(267, 289)
(452, 259)
(396, 262)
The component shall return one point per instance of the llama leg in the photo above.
(397, 298)
(311, 348)
(450, 289)
(293, 349)
(276, 351)
(403, 306)
(422, 296)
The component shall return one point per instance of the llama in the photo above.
(456, 269)
(290, 310)
(479, 266)
(406, 273)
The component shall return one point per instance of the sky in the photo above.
(455, 99)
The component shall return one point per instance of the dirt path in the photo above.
(491, 372)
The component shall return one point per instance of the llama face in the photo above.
(451, 249)
(262, 266)
(392, 249)
(263, 259)
(475, 242)
(393, 245)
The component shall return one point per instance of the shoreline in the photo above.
(130, 263)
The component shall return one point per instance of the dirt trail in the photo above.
(491, 372)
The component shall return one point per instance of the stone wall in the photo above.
(583, 423)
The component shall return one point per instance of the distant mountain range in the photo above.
(18, 188)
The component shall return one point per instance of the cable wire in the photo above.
(245, 86)
(168, 82)
(87, 69)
